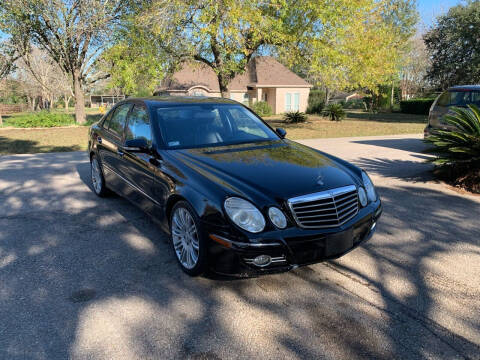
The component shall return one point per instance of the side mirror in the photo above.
(281, 132)
(137, 145)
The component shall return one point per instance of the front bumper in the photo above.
(293, 247)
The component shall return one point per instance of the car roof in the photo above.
(179, 100)
(464, 87)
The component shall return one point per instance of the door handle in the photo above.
(120, 152)
(99, 139)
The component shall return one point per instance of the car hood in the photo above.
(277, 169)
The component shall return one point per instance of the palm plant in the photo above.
(335, 112)
(294, 117)
(459, 147)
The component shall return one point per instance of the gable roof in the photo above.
(270, 72)
(192, 74)
(261, 71)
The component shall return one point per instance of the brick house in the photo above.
(264, 79)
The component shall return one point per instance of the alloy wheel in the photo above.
(185, 238)
(96, 176)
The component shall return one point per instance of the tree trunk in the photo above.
(1, 120)
(79, 98)
(67, 100)
(391, 97)
(327, 95)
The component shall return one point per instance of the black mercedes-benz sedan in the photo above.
(234, 195)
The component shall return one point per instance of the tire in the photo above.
(96, 175)
(189, 246)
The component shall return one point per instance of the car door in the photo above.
(139, 165)
(110, 146)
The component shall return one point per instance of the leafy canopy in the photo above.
(453, 46)
(351, 44)
(222, 34)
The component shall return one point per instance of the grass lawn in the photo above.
(28, 141)
(53, 118)
(357, 123)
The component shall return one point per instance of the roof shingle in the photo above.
(260, 71)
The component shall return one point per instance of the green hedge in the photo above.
(416, 106)
(39, 119)
(262, 108)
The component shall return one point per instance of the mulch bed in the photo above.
(465, 179)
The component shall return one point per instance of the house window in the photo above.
(292, 101)
(246, 99)
(265, 96)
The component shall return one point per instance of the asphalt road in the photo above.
(89, 278)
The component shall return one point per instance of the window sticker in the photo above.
(173, 143)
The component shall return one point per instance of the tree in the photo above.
(357, 47)
(415, 63)
(8, 56)
(137, 61)
(224, 34)
(73, 32)
(453, 45)
(43, 78)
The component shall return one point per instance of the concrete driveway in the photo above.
(90, 278)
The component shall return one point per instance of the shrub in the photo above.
(316, 102)
(458, 150)
(295, 117)
(335, 112)
(353, 104)
(416, 106)
(262, 108)
(40, 119)
(315, 107)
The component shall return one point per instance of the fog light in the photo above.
(262, 260)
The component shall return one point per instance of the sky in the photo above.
(430, 9)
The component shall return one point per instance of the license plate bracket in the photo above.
(339, 243)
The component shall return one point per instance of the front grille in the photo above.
(329, 208)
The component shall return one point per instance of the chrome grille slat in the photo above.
(346, 210)
(346, 205)
(316, 216)
(329, 208)
(345, 199)
(316, 210)
(314, 205)
(347, 214)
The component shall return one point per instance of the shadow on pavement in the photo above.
(83, 277)
(410, 145)
(17, 146)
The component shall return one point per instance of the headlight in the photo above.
(362, 196)
(277, 217)
(371, 193)
(244, 214)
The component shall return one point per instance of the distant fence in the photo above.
(10, 109)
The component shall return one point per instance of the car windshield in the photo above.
(459, 98)
(202, 125)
